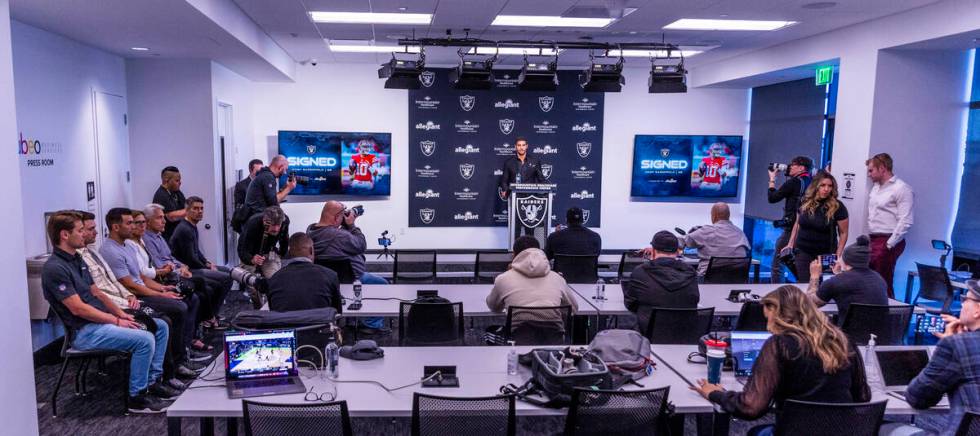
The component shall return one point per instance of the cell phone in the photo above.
(354, 306)
(828, 260)
(930, 323)
(738, 295)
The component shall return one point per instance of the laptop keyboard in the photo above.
(249, 384)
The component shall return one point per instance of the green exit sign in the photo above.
(825, 75)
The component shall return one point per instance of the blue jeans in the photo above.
(371, 279)
(146, 363)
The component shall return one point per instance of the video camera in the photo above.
(384, 240)
(300, 180)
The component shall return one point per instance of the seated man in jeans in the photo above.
(98, 323)
(184, 243)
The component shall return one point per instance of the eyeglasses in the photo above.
(975, 300)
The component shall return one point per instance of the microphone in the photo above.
(586, 299)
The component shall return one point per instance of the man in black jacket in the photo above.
(186, 248)
(241, 188)
(574, 239)
(302, 284)
(520, 168)
(797, 179)
(665, 281)
(264, 241)
(263, 191)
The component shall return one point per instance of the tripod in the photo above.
(386, 253)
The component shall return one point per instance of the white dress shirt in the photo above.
(890, 209)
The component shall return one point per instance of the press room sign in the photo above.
(37, 153)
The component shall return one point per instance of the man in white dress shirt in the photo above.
(889, 217)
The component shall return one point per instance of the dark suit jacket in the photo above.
(302, 284)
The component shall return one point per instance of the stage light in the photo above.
(665, 79)
(402, 74)
(602, 77)
(472, 73)
(539, 76)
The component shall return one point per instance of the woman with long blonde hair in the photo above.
(807, 358)
(821, 226)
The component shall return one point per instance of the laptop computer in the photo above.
(745, 347)
(899, 365)
(261, 363)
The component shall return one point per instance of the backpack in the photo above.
(626, 353)
(552, 387)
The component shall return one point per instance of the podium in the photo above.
(529, 211)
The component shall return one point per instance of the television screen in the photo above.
(686, 166)
(338, 163)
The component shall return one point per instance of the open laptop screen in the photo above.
(899, 367)
(745, 349)
(259, 354)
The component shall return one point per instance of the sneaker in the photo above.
(145, 403)
(195, 366)
(186, 373)
(176, 384)
(198, 356)
(163, 392)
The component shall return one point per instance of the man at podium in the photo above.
(520, 168)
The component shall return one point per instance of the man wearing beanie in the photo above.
(853, 280)
(664, 281)
(574, 239)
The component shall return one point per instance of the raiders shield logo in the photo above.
(427, 215)
(664, 152)
(506, 126)
(428, 147)
(531, 210)
(585, 215)
(427, 78)
(546, 170)
(584, 149)
(311, 149)
(467, 170)
(467, 102)
(546, 103)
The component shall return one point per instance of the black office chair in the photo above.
(807, 418)
(888, 323)
(431, 324)
(679, 326)
(414, 266)
(85, 358)
(577, 268)
(615, 413)
(627, 263)
(970, 425)
(475, 416)
(301, 419)
(538, 325)
(728, 270)
(751, 318)
(490, 264)
(340, 266)
(934, 284)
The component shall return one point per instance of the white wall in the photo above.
(55, 78)
(920, 103)
(19, 411)
(171, 123)
(351, 98)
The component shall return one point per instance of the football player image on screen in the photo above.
(363, 166)
(713, 169)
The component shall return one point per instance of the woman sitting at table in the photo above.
(807, 358)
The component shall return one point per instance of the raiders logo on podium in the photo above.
(531, 210)
(427, 215)
(467, 102)
(506, 126)
(546, 103)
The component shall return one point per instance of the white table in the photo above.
(481, 370)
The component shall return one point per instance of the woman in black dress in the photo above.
(821, 226)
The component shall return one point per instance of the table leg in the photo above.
(712, 424)
(173, 426)
(207, 426)
(755, 272)
(908, 288)
(232, 425)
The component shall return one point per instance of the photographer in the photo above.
(263, 191)
(264, 241)
(798, 179)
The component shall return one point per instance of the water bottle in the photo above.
(600, 290)
(357, 291)
(512, 359)
(873, 371)
(333, 360)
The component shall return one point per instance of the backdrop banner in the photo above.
(459, 140)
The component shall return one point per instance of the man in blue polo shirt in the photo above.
(99, 324)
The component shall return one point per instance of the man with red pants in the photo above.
(889, 217)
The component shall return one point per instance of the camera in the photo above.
(300, 180)
(313, 61)
(246, 278)
(356, 210)
(777, 167)
(384, 240)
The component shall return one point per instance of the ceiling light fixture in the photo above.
(654, 53)
(403, 73)
(667, 76)
(513, 51)
(709, 24)
(369, 18)
(369, 47)
(603, 77)
(549, 21)
(139, 49)
(538, 76)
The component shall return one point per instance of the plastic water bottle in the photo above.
(873, 371)
(600, 289)
(357, 291)
(512, 359)
(333, 360)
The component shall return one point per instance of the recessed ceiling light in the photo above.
(549, 21)
(653, 53)
(402, 8)
(632, 32)
(531, 51)
(139, 49)
(819, 5)
(368, 47)
(708, 24)
(369, 18)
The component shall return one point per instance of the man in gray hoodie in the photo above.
(664, 281)
(530, 282)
